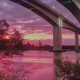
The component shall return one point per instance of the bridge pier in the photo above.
(57, 38)
(76, 42)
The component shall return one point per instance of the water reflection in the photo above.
(57, 55)
(37, 65)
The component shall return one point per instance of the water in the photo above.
(37, 65)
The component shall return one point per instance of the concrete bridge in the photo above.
(73, 6)
(54, 18)
(77, 2)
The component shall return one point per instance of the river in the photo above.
(35, 65)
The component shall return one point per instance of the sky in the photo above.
(32, 27)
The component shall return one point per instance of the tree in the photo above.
(10, 44)
(17, 40)
(3, 27)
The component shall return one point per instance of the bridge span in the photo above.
(73, 6)
(54, 18)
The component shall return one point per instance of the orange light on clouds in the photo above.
(38, 36)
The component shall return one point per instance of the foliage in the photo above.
(3, 27)
(67, 70)
(8, 72)
(10, 44)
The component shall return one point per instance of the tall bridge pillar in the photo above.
(57, 38)
(76, 42)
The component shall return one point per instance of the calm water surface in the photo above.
(38, 64)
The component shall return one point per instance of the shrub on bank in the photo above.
(67, 69)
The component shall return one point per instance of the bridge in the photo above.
(73, 6)
(77, 2)
(54, 18)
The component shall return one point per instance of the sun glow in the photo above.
(7, 37)
(38, 36)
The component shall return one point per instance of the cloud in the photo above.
(38, 36)
(25, 22)
(38, 31)
(5, 4)
(68, 36)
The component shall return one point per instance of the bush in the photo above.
(67, 70)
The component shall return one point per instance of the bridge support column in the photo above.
(76, 42)
(57, 38)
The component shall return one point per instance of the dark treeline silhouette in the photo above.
(68, 47)
(29, 46)
(9, 43)
(40, 46)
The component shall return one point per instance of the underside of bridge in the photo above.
(47, 13)
(28, 4)
(77, 2)
(72, 7)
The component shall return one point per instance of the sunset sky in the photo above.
(33, 27)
